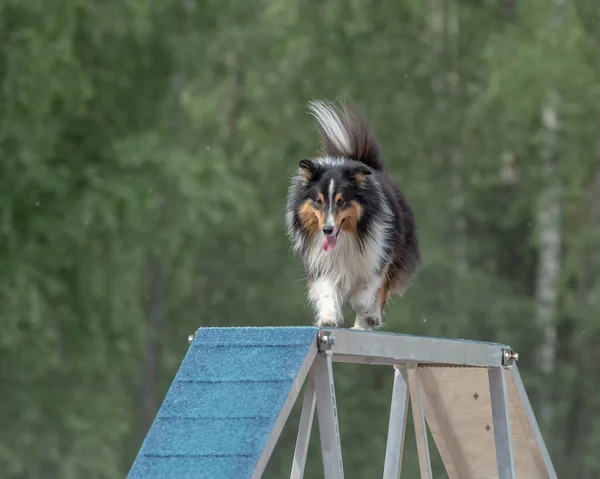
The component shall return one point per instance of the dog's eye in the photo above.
(318, 202)
(340, 203)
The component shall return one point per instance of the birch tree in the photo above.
(549, 230)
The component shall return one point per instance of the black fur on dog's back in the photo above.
(405, 257)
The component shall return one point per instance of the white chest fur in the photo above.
(347, 266)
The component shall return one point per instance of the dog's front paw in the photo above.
(329, 321)
(367, 322)
(372, 321)
(359, 328)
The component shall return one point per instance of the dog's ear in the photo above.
(360, 173)
(308, 168)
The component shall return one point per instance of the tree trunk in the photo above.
(549, 226)
(548, 217)
(458, 209)
(233, 108)
(444, 30)
(155, 294)
(154, 310)
(454, 85)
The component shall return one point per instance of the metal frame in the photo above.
(437, 376)
(397, 427)
(304, 429)
(329, 429)
(416, 399)
(499, 400)
(369, 347)
(540, 452)
(305, 370)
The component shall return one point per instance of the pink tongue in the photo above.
(329, 242)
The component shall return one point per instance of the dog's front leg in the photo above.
(326, 300)
(364, 302)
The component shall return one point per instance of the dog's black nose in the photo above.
(328, 230)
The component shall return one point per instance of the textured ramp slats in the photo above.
(223, 403)
(241, 363)
(207, 437)
(186, 467)
(197, 399)
(280, 336)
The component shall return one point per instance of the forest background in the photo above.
(145, 153)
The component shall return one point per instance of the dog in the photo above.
(349, 221)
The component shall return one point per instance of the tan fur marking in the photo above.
(395, 281)
(351, 215)
(322, 198)
(338, 197)
(383, 295)
(359, 178)
(311, 218)
(306, 174)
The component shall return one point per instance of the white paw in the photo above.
(359, 328)
(328, 321)
(367, 322)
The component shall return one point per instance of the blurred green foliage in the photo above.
(145, 153)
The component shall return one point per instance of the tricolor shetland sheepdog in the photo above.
(349, 221)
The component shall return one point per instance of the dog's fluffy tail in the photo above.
(344, 133)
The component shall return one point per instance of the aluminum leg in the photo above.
(304, 429)
(504, 453)
(540, 454)
(397, 426)
(329, 431)
(419, 420)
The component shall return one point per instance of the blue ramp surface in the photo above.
(223, 403)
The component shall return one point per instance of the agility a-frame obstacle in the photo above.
(235, 389)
